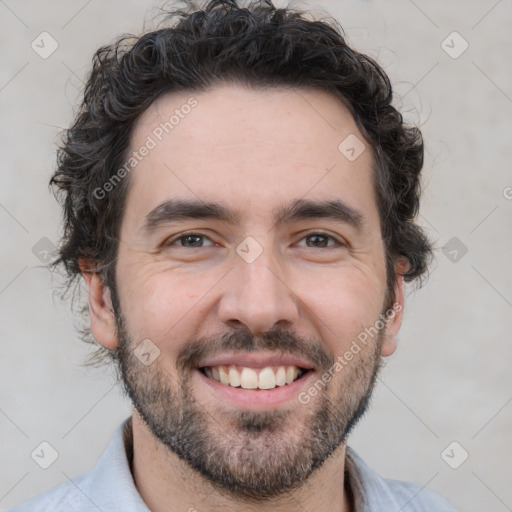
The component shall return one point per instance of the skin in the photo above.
(251, 150)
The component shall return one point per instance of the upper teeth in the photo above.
(253, 378)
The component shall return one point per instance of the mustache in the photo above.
(277, 340)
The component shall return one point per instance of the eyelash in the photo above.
(181, 236)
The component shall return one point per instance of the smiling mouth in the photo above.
(269, 377)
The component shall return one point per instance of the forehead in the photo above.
(253, 148)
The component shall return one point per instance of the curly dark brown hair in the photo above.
(257, 45)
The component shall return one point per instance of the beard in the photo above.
(250, 455)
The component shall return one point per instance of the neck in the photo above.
(168, 484)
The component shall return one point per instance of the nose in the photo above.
(258, 297)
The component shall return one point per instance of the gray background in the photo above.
(450, 378)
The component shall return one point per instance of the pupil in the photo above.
(316, 238)
(191, 238)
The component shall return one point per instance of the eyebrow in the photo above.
(178, 210)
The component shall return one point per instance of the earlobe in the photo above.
(101, 312)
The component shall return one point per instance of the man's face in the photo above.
(269, 296)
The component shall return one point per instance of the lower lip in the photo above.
(257, 399)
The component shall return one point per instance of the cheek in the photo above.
(343, 305)
(159, 304)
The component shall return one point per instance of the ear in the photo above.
(101, 312)
(394, 316)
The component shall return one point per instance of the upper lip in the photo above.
(256, 360)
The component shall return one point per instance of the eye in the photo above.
(321, 240)
(197, 240)
(190, 240)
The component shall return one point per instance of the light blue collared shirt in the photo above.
(109, 487)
